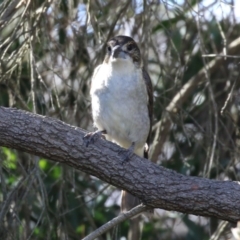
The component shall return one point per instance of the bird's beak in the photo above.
(117, 52)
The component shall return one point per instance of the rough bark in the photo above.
(154, 185)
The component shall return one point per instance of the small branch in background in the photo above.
(114, 22)
(228, 98)
(115, 221)
(220, 229)
(7, 13)
(33, 79)
(214, 111)
(6, 205)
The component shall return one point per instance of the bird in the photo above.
(122, 101)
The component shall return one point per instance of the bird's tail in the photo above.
(128, 202)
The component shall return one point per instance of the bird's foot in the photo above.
(128, 153)
(91, 137)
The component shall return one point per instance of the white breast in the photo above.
(119, 104)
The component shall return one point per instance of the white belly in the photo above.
(119, 105)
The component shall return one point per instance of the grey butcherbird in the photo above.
(122, 101)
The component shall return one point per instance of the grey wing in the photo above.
(148, 83)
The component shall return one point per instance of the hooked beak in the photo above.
(117, 52)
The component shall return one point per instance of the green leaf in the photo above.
(43, 164)
(56, 172)
(80, 229)
(10, 160)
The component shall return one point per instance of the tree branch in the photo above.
(115, 221)
(156, 186)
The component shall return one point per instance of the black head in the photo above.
(122, 47)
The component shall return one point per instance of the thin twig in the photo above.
(115, 221)
(228, 98)
(220, 229)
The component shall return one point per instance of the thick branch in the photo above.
(154, 185)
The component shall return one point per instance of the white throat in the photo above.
(119, 103)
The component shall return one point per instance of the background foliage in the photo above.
(48, 50)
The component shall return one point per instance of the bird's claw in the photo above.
(91, 137)
(127, 153)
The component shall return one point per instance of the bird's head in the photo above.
(123, 49)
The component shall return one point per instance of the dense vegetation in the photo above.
(48, 50)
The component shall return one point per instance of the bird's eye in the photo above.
(129, 47)
(109, 49)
